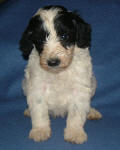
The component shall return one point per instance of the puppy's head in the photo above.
(54, 32)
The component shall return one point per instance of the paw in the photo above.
(77, 136)
(94, 114)
(27, 113)
(40, 134)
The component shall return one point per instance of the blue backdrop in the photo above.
(104, 17)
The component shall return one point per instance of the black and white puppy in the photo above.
(58, 77)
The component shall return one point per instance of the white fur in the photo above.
(58, 92)
(68, 91)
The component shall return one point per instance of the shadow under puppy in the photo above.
(58, 77)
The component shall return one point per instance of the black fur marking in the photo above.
(77, 31)
(34, 34)
(65, 29)
(83, 32)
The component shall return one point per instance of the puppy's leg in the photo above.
(77, 114)
(94, 114)
(39, 116)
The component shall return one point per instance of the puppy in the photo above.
(58, 77)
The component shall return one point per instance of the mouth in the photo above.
(55, 69)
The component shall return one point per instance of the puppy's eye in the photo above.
(47, 35)
(64, 37)
(39, 40)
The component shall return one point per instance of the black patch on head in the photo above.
(72, 29)
(65, 29)
(34, 34)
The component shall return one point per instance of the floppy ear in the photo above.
(26, 42)
(83, 32)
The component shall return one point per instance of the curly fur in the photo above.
(58, 88)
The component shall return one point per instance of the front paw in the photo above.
(77, 136)
(40, 134)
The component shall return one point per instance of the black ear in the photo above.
(83, 32)
(26, 43)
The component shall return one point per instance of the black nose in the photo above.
(53, 62)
